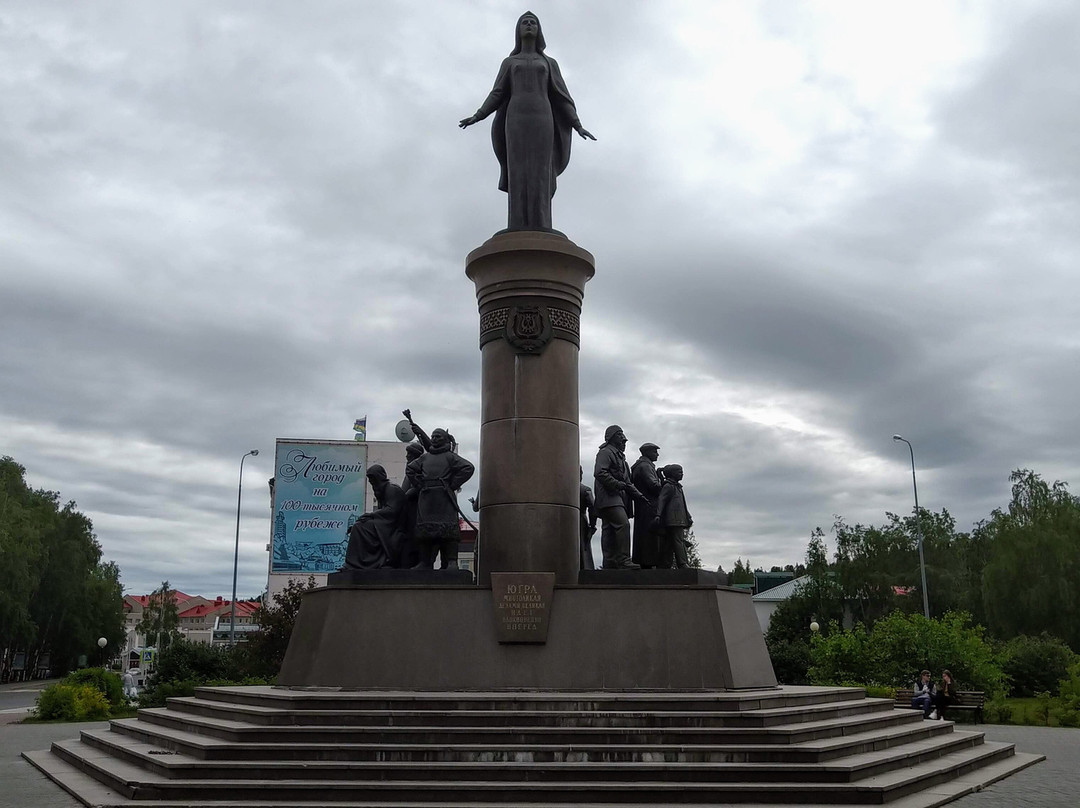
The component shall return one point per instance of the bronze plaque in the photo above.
(522, 603)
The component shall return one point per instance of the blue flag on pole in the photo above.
(360, 427)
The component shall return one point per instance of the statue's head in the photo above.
(413, 451)
(376, 475)
(651, 451)
(528, 25)
(673, 472)
(614, 435)
(440, 438)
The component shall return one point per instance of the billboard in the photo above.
(318, 494)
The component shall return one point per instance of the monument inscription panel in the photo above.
(522, 602)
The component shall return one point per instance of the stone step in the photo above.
(91, 792)
(781, 733)
(133, 782)
(636, 701)
(174, 765)
(814, 751)
(281, 716)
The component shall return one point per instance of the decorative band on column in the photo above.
(529, 325)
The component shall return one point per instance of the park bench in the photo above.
(971, 701)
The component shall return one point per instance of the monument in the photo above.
(541, 682)
(530, 284)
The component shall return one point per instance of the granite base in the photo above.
(393, 577)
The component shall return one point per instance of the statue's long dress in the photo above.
(530, 140)
(534, 118)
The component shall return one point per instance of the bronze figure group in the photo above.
(413, 522)
(416, 521)
(652, 496)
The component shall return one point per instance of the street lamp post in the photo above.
(236, 551)
(101, 643)
(918, 528)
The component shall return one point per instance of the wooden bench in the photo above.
(971, 701)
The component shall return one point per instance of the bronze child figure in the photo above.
(673, 519)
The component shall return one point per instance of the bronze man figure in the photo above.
(588, 523)
(438, 475)
(645, 478)
(375, 538)
(614, 499)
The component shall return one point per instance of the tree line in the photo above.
(1016, 574)
(57, 594)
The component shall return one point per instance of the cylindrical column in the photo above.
(529, 287)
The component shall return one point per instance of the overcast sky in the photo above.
(815, 225)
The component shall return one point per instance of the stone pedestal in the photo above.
(529, 288)
(696, 637)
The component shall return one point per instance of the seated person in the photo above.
(375, 538)
(924, 694)
(945, 696)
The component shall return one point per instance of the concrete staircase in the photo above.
(268, 747)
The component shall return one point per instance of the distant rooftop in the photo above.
(783, 591)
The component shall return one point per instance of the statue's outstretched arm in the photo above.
(495, 98)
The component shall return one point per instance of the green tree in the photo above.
(870, 562)
(56, 594)
(898, 646)
(692, 549)
(741, 573)
(817, 599)
(265, 649)
(1033, 561)
(873, 563)
(24, 516)
(160, 620)
(1036, 664)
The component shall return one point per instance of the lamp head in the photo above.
(897, 438)
(254, 452)
(102, 642)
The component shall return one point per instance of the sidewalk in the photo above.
(24, 786)
(1054, 783)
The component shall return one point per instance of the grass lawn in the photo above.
(1028, 712)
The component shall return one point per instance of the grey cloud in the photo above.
(224, 225)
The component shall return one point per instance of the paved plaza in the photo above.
(1054, 783)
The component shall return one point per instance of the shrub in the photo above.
(790, 659)
(1069, 687)
(185, 660)
(1069, 718)
(155, 696)
(1043, 707)
(109, 684)
(899, 645)
(997, 711)
(1035, 664)
(72, 702)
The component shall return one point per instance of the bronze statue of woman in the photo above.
(534, 114)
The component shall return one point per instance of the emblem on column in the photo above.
(528, 328)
